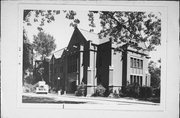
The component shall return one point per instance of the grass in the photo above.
(27, 99)
(151, 99)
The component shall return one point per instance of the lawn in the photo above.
(28, 99)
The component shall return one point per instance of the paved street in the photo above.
(71, 99)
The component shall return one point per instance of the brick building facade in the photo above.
(94, 61)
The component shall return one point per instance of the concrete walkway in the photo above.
(125, 100)
(90, 100)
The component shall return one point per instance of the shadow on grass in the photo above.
(26, 99)
(151, 99)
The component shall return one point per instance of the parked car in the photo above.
(42, 87)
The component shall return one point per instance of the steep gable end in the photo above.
(76, 38)
(58, 53)
(90, 36)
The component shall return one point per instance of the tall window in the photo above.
(141, 80)
(131, 62)
(131, 79)
(141, 64)
(136, 63)
(72, 63)
(136, 79)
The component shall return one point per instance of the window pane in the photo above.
(135, 63)
(135, 80)
(131, 79)
(140, 80)
(131, 62)
(138, 63)
(141, 64)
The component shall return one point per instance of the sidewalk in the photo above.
(125, 100)
(106, 100)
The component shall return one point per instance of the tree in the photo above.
(27, 56)
(44, 44)
(39, 16)
(47, 16)
(129, 27)
(155, 72)
(27, 53)
(122, 27)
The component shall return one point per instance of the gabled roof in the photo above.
(58, 53)
(96, 40)
(90, 36)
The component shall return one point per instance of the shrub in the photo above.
(113, 94)
(156, 92)
(29, 88)
(81, 90)
(145, 92)
(121, 92)
(52, 90)
(100, 90)
(29, 79)
(132, 90)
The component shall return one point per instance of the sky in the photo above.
(60, 29)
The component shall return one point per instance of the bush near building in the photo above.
(100, 91)
(131, 90)
(81, 90)
(114, 94)
(136, 91)
(156, 92)
(29, 88)
(145, 92)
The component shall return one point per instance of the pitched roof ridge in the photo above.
(60, 50)
(87, 31)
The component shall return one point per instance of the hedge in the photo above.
(145, 92)
(134, 90)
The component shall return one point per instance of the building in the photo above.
(56, 70)
(94, 61)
